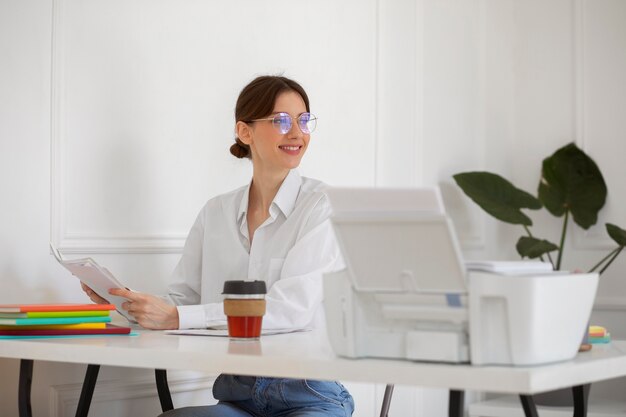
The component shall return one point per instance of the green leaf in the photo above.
(617, 234)
(571, 180)
(530, 247)
(497, 196)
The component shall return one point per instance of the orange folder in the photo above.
(25, 308)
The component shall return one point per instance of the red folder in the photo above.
(110, 329)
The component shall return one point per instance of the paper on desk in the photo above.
(219, 332)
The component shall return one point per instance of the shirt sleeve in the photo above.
(201, 316)
(184, 292)
(294, 300)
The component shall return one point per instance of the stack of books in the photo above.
(49, 320)
(599, 334)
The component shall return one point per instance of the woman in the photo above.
(275, 229)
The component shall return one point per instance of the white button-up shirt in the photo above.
(290, 251)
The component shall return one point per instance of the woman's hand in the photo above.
(92, 295)
(150, 311)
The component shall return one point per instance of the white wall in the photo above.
(116, 118)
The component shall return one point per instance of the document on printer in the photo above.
(510, 267)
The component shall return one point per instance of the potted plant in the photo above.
(571, 186)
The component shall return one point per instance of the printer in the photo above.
(405, 292)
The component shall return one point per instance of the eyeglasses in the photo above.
(283, 122)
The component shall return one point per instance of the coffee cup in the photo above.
(244, 306)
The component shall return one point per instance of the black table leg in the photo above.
(163, 389)
(91, 376)
(456, 403)
(528, 403)
(581, 395)
(26, 381)
(384, 410)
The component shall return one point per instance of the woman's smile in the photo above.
(291, 149)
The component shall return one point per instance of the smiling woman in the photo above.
(275, 229)
(275, 143)
(254, 104)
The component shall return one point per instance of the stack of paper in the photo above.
(510, 267)
(37, 320)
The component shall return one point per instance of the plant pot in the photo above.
(560, 397)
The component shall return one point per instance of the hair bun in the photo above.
(240, 149)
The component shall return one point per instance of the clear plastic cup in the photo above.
(244, 306)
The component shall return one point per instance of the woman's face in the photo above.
(273, 150)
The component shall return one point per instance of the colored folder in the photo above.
(24, 308)
(53, 320)
(109, 329)
(597, 331)
(38, 314)
(65, 336)
(57, 326)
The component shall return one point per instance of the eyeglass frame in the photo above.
(297, 119)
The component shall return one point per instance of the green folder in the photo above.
(39, 314)
(603, 339)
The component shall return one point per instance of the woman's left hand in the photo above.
(150, 311)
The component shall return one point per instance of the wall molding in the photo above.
(376, 63)
(63, 399)
(155, 244)
(418, 102)
(391, 70)
(67, 241)
(578, 34)
(595, 238)
(74, 242)
(57, 161)
(478, 241)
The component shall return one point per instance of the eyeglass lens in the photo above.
(306, 121)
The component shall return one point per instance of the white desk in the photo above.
(308, 355)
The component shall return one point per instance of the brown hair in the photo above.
(257, 100)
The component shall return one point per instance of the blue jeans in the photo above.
(248, 396)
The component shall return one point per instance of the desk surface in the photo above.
(308, 355)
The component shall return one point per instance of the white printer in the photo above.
(405, 291)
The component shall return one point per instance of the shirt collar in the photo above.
(285, 198)
(243, 205)
(288, 192)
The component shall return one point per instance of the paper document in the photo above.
(95, 277)
(219, 332)
(509, 267)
